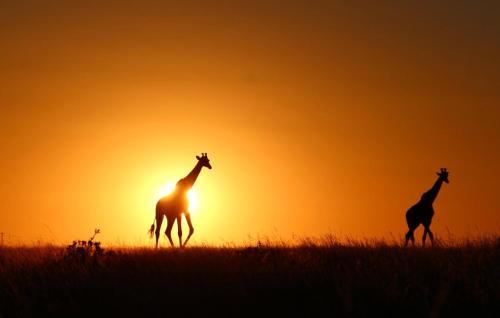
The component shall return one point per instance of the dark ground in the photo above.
(334, 280)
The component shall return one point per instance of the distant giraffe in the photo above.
(175, 204)
(422, 212)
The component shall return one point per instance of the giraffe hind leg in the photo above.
(424, 237)
(409, 236)
(159, 220)
(168, 231)
(412, 221)
(411, 229)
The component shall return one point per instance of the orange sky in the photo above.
(317, 116)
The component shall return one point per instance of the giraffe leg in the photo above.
(412, 225)
(179, 229)
(168, 231)
(431, 236)
(159, 220)
(191, 228)
(409, 236)
(424, 236)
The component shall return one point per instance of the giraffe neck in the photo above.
(190, 179)
(431, 195)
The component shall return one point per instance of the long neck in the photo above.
(190, 179)
(431, 195)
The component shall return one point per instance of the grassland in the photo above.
(311, 279)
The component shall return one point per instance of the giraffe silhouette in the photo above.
(422, 212)
(175, 204)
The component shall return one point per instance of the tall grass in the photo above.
(311, 277)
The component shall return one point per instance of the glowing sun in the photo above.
(191, 194)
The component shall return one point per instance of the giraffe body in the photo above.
(419, 214)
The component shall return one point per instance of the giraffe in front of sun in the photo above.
(175, 204)
(422, 212)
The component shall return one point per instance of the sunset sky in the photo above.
(318, 116)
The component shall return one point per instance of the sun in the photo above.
(191, 194)
(165, 190)
(193, 201)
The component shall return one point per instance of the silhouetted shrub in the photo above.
(84, 249)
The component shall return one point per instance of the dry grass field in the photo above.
(323, 278)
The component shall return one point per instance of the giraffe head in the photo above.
(204, 161)
(443, 175)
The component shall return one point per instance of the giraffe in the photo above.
(175, 204)
(422, 212)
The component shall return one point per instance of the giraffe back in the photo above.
(173, 204)
(420, 213)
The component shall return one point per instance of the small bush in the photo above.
(84, 249)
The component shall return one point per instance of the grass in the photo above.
(313, 278)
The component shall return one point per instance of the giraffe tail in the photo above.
(152, 229)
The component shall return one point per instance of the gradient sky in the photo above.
(318, 116)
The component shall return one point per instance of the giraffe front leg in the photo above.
(179, 229)
(191, 228)
(431, 236)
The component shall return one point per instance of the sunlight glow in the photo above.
(165, 190)
(193, 200)
(191, 194)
